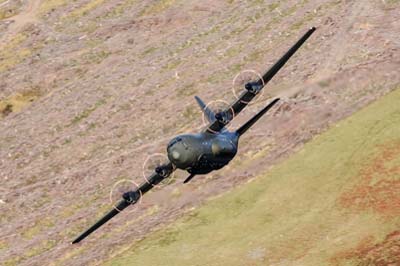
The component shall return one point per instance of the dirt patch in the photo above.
(26, 16)
(384, 253)
(9, 8)
(379, 186)
(153, 24)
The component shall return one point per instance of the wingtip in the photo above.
(76, 240)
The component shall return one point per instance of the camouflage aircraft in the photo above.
(209, 150)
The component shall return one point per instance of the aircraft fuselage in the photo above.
(203, 152)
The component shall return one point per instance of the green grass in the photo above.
(11, 53)
(186, 90)
(190, 113)
(95, 57)
(392, 2)
(49, 5)
(157, 7)
(18, 101)
(300, 212)
(3, 245)
(40, 248)
(37, 228)
(84, 10)
(7, 13)
(120, 9)
(86, 113)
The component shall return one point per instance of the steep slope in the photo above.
(335, 202)
(90, 88)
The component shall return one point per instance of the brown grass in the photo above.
(383, 195)
(18, 101)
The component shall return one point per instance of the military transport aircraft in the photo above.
(209, 150)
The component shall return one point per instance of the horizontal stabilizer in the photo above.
(254, 119)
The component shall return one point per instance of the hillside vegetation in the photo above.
(335, 202)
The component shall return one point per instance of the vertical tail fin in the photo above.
(254, 119)
(210, 115)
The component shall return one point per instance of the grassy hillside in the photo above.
(336, 202)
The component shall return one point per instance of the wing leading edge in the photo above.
(253, 88)
(130, 198)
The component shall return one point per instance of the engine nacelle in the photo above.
(253, 87)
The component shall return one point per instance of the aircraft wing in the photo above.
(253, 88)
(130, 198)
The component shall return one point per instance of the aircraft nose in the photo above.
(179, 153)
(176, 152)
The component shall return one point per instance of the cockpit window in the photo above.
(176, 140)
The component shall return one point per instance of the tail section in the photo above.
(210, 115)
(255, 118)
